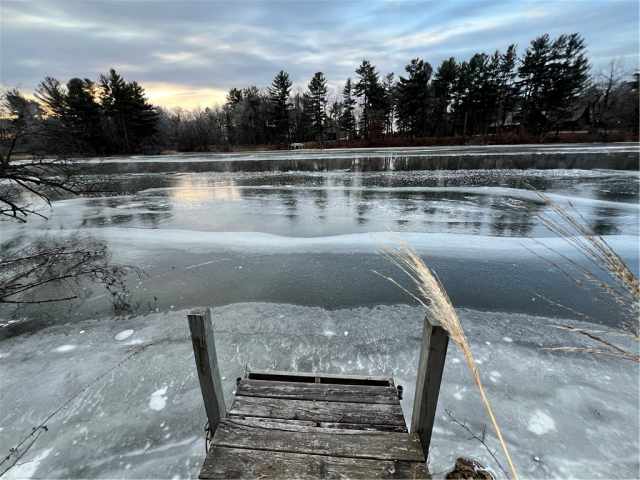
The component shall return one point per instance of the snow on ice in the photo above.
(158, 399)
(123, 335)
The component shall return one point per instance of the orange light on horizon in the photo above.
(176, 95)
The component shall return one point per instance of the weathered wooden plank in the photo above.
(204, 350)
(318, 411)
(433, 353)
(318, 391)
(320, 377)
(365, 426)
(328, 425)
(318, 441)
(304, 426)
(232, 463)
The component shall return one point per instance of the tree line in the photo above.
(547, 88)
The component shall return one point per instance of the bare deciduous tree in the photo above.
(44, 270)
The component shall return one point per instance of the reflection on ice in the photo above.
(303, 204)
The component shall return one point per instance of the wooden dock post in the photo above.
(432, 356)
(204, 350)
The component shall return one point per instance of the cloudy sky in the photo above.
(189, 53)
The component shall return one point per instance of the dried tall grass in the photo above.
(604, 269)
(434, 298)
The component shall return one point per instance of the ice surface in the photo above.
(563, 414)
(312, 154)
(311, 238)
(128, 240)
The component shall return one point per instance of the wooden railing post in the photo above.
(204, 350)
(432, 356)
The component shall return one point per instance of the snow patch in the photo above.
(158, 399)
(65, 348)
(27, 468)
(541, 423)
(123, 335)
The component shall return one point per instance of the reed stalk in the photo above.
(434, 298)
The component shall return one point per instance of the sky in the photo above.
(190, 53)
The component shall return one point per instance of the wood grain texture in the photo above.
(318, 411)
(433, 353)
(204, 350)
(318, 441)
(329, 425)
(232, 463)
(318, 391)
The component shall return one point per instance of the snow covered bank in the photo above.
(564, 415)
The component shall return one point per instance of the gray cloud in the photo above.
(212, 46)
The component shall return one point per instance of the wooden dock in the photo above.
(307, 425)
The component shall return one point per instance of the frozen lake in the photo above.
(283, 246)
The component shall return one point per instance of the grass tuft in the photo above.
(434, 298)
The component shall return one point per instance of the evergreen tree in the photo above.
(234, 97)
(131, 119)
(508, 90)
(552, 76)
(414, 98)
(52, 97)
(368, 88)
(74, 117)
(347, 118)
(389, 89)
(317, 104)
(279, 98)
(488, 93)
(570, 74)
(444, 83)
(84, 117)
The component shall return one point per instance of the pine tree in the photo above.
(317, 104)
(570, 69)
(83, 114)
(234, 98)
(131, 118)
(389, 89)
(508, 90)
(553, 75)
(414, 98)
(347, 118)
(279, 98)
(74, 118)
(368, 88)
(534, 81)
(444, 83)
